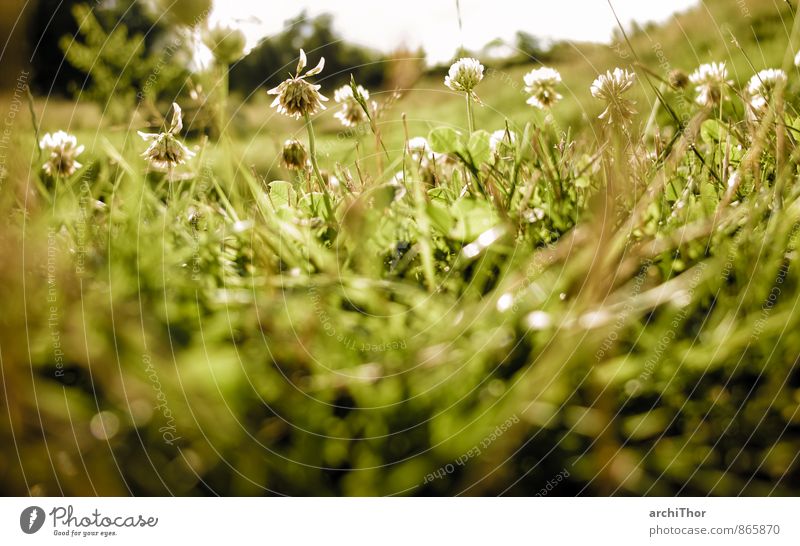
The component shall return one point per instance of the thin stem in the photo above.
(312, 152)
(221, 106)
(470, 118)
(651, 121)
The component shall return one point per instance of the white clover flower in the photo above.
(541, 84)
(165, 150)
(710, 81)
(421, 152)
(610, 88)
(63, 149)
(295, 96)
(797, 59)
(734, 180)
(761, 88)
(500, 138)
(464, 75)
(351, 113)
(418, 146)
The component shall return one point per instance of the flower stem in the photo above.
(312, 152)
(221, 92)
(470, 118)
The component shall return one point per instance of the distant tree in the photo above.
(50, 20)
(530, 46)
(117, 68)
(13, 20)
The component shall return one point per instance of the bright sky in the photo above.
(433, 24)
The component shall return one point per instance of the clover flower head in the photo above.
(419, 146)
(678, 79)
(63, 149)
(797, 59)
(761, 88)
(464, 75)
(294, 155)
(227, 44)
(710, 80)
(541, 84)
(296, 97)
(610, 88)
(165, 150)
(420, 151)
(501, 140)
(351, 113)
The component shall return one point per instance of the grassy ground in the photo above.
(597, 313)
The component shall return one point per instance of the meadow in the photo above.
(580, 281)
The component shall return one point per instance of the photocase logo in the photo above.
(31, 519)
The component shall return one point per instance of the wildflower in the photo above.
(533, 215)
(678, 79)
(761, 88)
(610, 88)
(165, 150)
(333, 182)
(294, 155)
(709, 81)
(419, 148)
(422, 153)
(797, 59)
(541, 84)
(464, 75)
(226, 44)
(351, 113)
(431, 165)
(498, 140)
(63, 149)
(295, 96)
(734, 180)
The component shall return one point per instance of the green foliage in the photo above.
(118, 69)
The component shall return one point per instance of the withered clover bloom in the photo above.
(63, 149)
(678, 79)
(165, 150)
(296, 97)
(294, 155)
